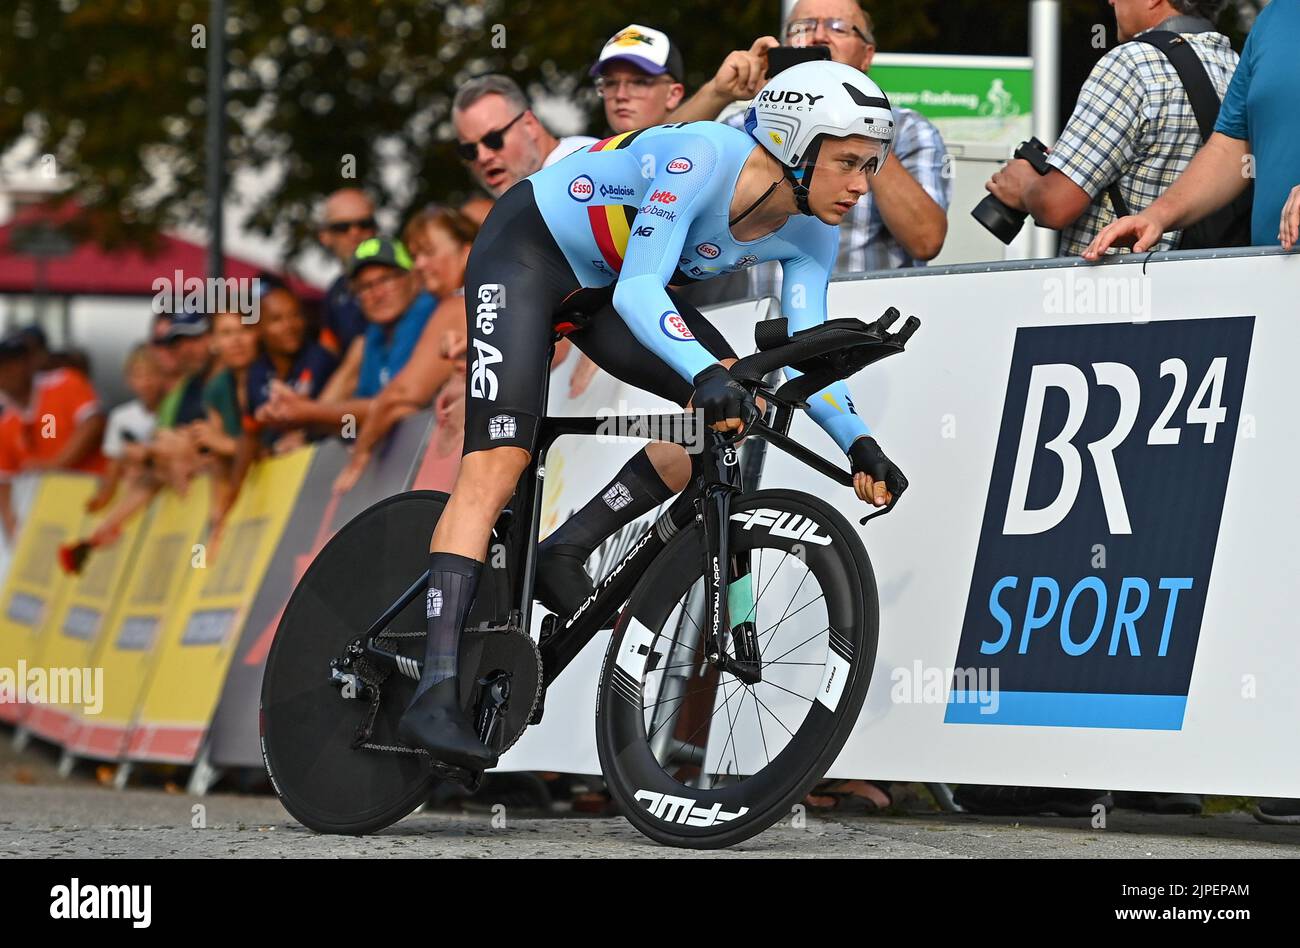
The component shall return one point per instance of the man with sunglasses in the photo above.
(348, 220)
(904, 220)
(610, 231)
(499, 138)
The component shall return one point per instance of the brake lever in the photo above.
(881, 512)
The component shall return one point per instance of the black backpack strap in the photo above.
(1117, 201)
(1196, 81)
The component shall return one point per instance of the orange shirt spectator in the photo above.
(35, 435)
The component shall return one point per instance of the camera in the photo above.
(1005, 222)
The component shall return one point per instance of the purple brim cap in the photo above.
(640, 62)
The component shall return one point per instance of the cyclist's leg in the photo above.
(652, 476)
(515, 279)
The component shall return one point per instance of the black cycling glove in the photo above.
(865, 457)
(720, 397)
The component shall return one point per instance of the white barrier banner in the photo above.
(1087, 583)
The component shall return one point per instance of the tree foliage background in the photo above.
(114, 89)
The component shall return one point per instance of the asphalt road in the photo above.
(44, 815)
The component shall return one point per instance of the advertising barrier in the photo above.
(199, 635)
(169, 552)
(1085, 585)
(36, 588)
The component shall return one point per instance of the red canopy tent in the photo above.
(90, 271)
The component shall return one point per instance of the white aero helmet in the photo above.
(791, 113)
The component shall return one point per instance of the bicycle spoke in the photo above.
(800, 645)
(758, 715)
(773, 713)
(792, 615)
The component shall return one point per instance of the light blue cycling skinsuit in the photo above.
(638, 211)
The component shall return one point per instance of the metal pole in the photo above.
(215, 139)
(1045, 48)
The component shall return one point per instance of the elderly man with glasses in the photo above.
(903, 221)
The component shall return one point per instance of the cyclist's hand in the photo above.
(876, 479)
(724, 401)
(1137, 231)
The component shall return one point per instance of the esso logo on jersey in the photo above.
(663, 197)
(712, 251)
(675, 327)
(581, 188)
(680, 166)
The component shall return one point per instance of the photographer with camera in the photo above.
(903, 221)
(1135, 127)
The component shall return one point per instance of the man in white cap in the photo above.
(639, 76)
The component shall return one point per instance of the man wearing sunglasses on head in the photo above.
(348, 219)
(499, 138)
(904, 220)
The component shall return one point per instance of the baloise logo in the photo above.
(1102, 520)
(581, 188)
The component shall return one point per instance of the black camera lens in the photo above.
(999, 220)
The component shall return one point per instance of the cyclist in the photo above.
(632, 215)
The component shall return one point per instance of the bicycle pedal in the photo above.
(469, 779)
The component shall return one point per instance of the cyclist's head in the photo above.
(810, 106)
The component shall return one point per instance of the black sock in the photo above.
(453, 581)
(635, 490)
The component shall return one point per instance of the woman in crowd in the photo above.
(440, 241)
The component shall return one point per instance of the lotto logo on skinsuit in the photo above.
(680, 166)
(675, 327)
(663, 197)
(1102, 520)
(581, 188)
(491, 297)
(482, 380)
(709, 250)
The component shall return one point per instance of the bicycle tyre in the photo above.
(651, 797)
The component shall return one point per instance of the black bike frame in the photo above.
(708, 499)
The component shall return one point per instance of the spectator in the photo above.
(130, 425)
(288, 359)
(1257, 118)
(1133, 127)
(440, 242)
(500, 140)
(902, 221)
(48, 421)
(639, 78)
(348, 219)
(476, 209)
(174, 452)
(396, 311)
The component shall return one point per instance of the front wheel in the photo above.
(697, 757)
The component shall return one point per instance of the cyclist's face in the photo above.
(519, 155)
(842, 176)
(635, 99)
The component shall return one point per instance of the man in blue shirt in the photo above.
(396, 310)
(1258, 132)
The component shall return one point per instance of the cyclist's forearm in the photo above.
(832, 408)
(640, 301)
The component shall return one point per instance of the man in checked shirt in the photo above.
(1132, 125)
(903, 221)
